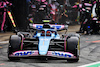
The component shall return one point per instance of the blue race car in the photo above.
(44, 42)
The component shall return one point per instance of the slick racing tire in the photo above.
(14, 45)
(73, 47)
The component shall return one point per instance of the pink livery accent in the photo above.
(10, 4)
(34, 53)
(4, 15)
(94, 2)
(4, 19)
(65, 43)
(75, 6)
(98, 22)
(87, 4)
(4, 3)
(46, 3)
(84, 22)
(80, 5)
(52, 13)
(51, 25)
(22, 44)
(34, 25)
(88, 8)
(94, 18)
(83, 9)
(80, 10)
(43, 0)
(7, 2)
(1, 6)
(22, 41)
(43, 6)
(27, 53)
(51, 53)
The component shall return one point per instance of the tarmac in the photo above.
(4, 37)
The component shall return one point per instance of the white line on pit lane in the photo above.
(90, 64)
(2, 42)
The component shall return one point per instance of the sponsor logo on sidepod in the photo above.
(24, 53)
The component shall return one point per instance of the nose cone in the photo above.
(43, 50)
(43, 45)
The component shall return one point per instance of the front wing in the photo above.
(32, 53)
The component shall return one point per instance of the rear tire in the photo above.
(14, 45)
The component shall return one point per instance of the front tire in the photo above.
(73, 47)
(14, 45)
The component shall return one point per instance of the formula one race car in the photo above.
(44, 42)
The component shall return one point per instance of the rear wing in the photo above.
(52, 26)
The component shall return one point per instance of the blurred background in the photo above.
(20, 11)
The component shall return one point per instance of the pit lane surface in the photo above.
(90, 52)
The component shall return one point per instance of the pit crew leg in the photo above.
(4, 19)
